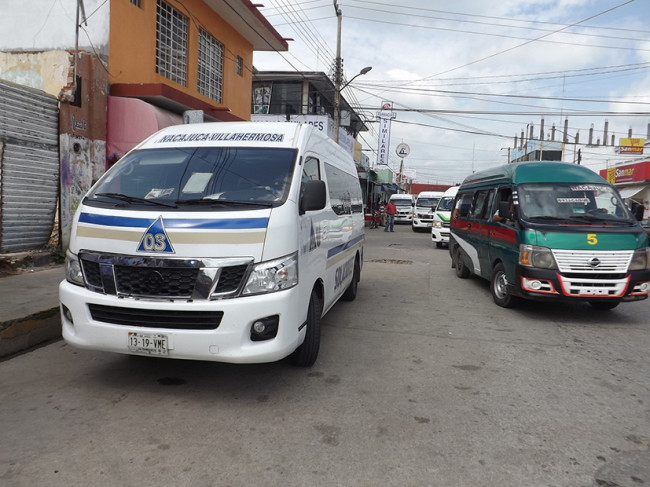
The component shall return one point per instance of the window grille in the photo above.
(171, 43)
(210, 69)
(240, 66)
(137, 3)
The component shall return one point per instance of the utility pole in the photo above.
(337, 75)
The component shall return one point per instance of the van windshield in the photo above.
(402, 202)
(188, 177)
(569, 202)
(427, 202)
(446, 203)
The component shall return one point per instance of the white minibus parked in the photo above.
(425, 204)
(219, 241)
(404, 207)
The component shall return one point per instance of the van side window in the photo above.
(344, 191)
(310, 170)
(480, 202)
(463, 204)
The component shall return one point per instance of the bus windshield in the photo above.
(572, 202)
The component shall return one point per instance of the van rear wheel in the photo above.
(462, 270)
(305, 355)
(499, 287)
(351, 292)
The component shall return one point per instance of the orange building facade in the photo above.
(156, 46)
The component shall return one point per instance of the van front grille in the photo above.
(164, 278)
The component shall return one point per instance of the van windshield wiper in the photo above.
(134, 199)
(600, 219)
(211, 202)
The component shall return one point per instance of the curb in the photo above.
(24, 333)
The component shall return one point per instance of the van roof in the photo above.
(535, 172)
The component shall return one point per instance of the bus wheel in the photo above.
(462, 270)
(305, 355)
(499, 287)
(351, 292)
(603, 305)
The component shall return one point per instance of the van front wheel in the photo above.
(499, 287)
(305, 355)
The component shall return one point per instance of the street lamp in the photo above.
(337, 96)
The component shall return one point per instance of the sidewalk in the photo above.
(29, 308)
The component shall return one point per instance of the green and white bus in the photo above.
(549, 231)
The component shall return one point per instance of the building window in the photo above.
(240, 66)
(137, 3)
(210, 72)
(171, 43)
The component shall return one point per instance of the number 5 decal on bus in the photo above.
(591, 239)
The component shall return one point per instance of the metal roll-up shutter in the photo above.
(29, 167)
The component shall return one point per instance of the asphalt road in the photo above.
(422, 381)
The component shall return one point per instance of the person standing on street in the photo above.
(390, 216)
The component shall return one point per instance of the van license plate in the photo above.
(152, 344)
(594, 292)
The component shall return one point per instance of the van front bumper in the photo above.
(544, 284)
(229, 341)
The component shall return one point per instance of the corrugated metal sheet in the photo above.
(29, 167)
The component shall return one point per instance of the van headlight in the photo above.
(273, 275)
(534, 256)
(437, 224)
(73, 272)
(640, 259)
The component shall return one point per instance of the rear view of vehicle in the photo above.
(404, 207)
(425, 204)
(442, 216)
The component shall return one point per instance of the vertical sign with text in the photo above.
(385, 116)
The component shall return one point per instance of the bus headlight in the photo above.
(640, 259)
(534, 256)
(273, 275)
(73, 272)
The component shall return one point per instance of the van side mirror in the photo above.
(313, 196)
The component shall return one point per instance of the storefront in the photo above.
(633, 183)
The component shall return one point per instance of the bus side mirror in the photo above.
(313, 196)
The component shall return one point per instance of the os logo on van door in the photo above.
(155, 239)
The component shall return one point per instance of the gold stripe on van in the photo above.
(176, 237)
(109, 233)
(342, 256)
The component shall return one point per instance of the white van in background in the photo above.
(442, 217)
(425, 204)
(219, 241)
(404, 205)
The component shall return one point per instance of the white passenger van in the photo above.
(217, 241)
(442, 216)
(404, 206)
(425, 204)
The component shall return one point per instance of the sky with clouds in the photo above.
(465, 77)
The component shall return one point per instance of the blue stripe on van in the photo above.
(343, 247)
(194, 224)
